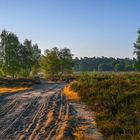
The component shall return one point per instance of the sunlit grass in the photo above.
(70, 94)
(4, 90)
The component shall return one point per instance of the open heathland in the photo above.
(116, 100)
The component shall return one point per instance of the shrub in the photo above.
(116, 99)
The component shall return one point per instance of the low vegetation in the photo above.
(70, 94)
(10, 85)
(116, 100)
(18, 82)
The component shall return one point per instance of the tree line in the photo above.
(110, 64)
(104, 64)
(25, 59)
(18, 59)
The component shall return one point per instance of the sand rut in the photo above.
(39, 114)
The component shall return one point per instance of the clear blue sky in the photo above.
(87, 27)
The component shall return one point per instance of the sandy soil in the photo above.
(43, 113)
(39, 114)
(86, 128)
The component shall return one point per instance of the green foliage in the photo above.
(50, 63)
(66, 62)
(18, 59)
(117, 67)
(104, 67)
(116, 99)
(29, 58)
(103, 64)
(137, 51)
(56, 62)
(10, 44)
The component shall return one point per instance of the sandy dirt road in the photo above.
(40, 114)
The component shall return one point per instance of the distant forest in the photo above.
(104, 64)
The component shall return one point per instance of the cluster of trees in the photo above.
(24, 59)
(55, 62)
(109, 64)
(104, 64)
(17, 59)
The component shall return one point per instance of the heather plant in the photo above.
(116, 100)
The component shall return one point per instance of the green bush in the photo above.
(116, 99)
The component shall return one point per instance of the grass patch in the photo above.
(9, 85)
(4, 90)
(70, 94)
(116, 100)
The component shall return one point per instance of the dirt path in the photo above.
(41, 114)
(44, 114)
(86, 128)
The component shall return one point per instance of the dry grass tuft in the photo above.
(4, 90)
(70, 94)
